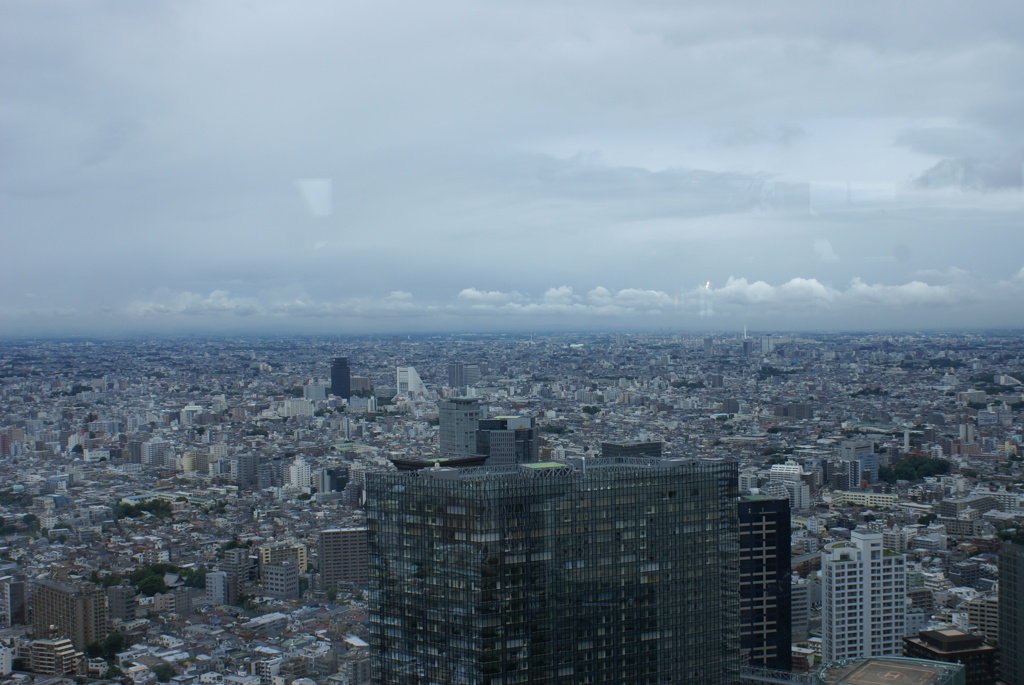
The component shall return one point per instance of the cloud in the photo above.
(975, 173)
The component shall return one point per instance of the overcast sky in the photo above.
(323, 166)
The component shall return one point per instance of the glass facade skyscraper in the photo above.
(605, 571)
(1011, 611)
(341, 378)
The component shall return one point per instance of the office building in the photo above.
(631, 448)
(221, 588)
(765, 609)
(1011, 611)
(342, 557)
(508, 440)
(463, 376)
(546, 573)
(12, 601)
(863, 609)
(955, 647)
(121, 602)
(863, 452)
(281, 580)
(341, 378)
(241, 563)
(77, 612)
(332, 479)
(158, 453)
(278, 552)
(458, 419)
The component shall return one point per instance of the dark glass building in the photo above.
(341, 378)
(765, 606)
(617, 572)
(1011, 611)
(614, 450)
(508, 440)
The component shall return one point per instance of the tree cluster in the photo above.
(913, 467)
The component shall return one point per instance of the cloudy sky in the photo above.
(325, 166)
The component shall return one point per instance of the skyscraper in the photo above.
(863, 598)
(765, 610)
(341, 378)
(77, 612)
(1011, 611)
(546, 573)
(457, 424)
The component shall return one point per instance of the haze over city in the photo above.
(452, 166)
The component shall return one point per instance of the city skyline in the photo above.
(379, 168)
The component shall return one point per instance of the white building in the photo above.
(790, 471)
(295, 407)
(863, 598)
(408, 382)
(299, 473)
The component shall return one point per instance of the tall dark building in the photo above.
(508, 440)
(341, 378)
(765, 607)
(1011, 611)
(545, 573)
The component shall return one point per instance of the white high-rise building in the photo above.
(299, 473)
(863, 598)
(408, 382)
(158, 452)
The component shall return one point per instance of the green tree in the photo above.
(163, 672)
(112, 644)
(113, 672)
(94, 650)
(150, 585)
(590, 409)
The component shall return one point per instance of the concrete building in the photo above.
(221, 588)
(281, 580)
(64, 610)
(863, 598)
(342, 556)
(458, 419)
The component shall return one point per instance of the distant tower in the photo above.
(457, 425)
(341, 378)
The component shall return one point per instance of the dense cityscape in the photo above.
(503, 509)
